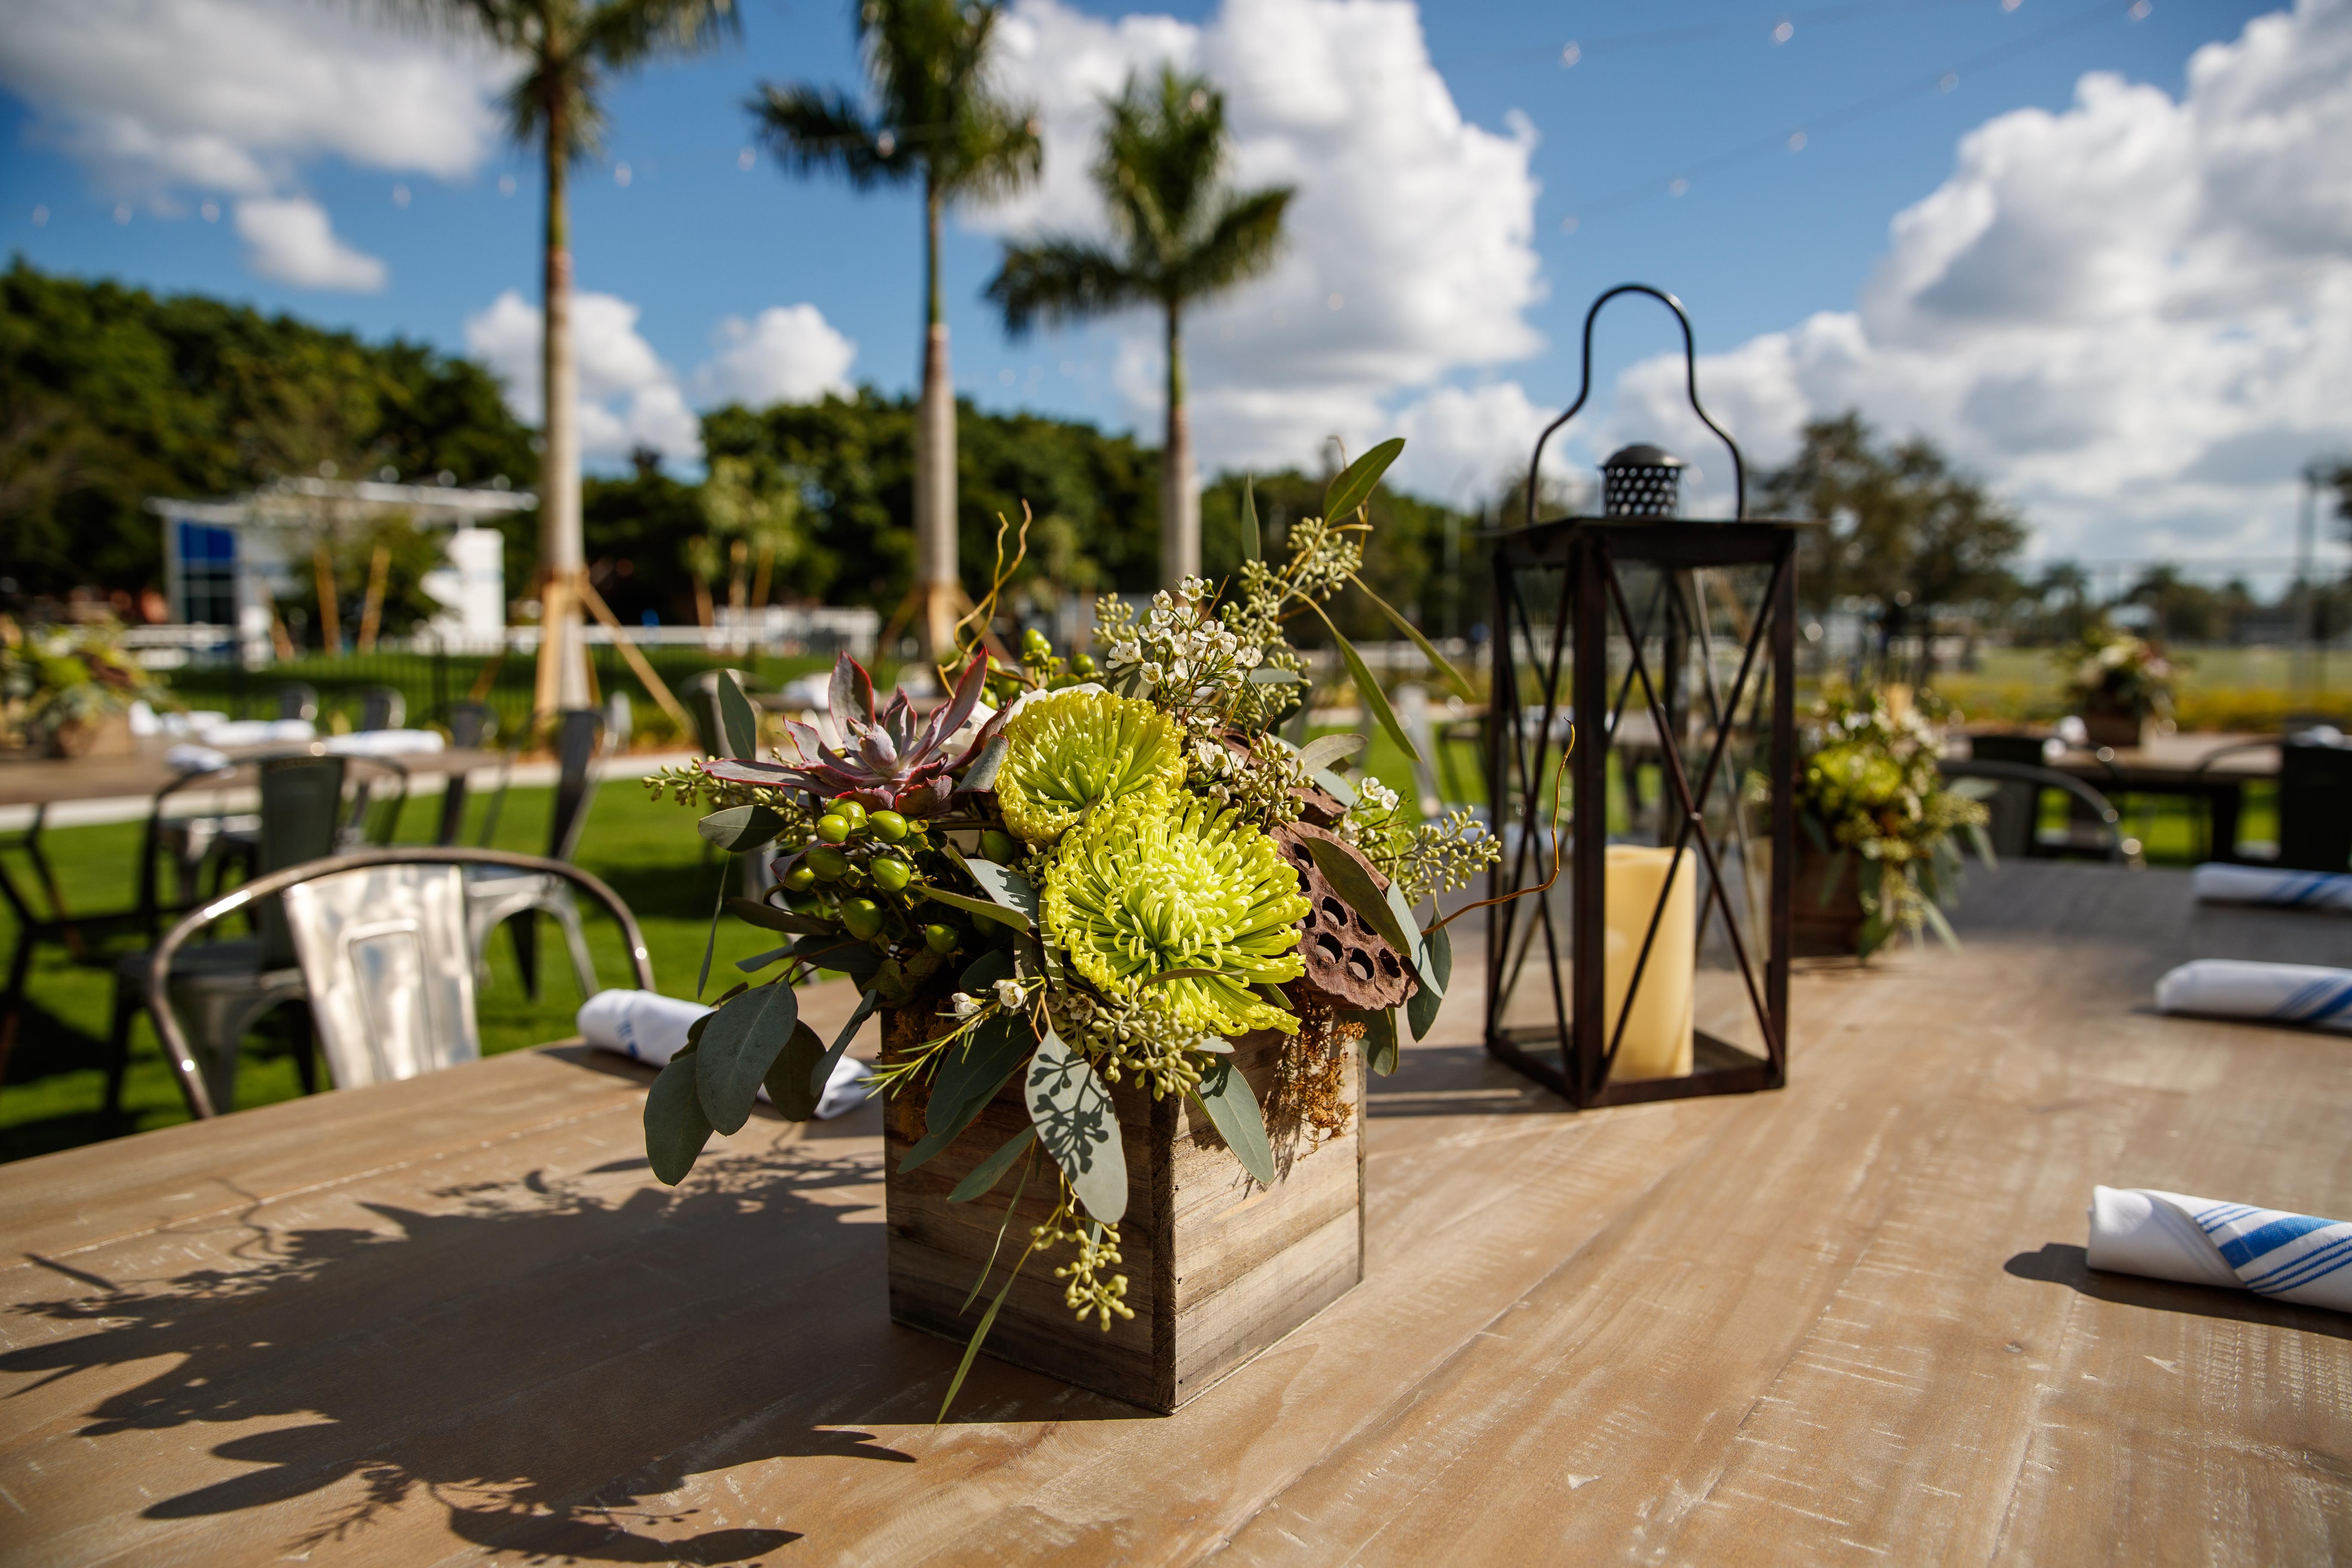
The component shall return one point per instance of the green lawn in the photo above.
(646, 850)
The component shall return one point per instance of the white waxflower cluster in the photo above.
(1376, 795)
(1186, 660)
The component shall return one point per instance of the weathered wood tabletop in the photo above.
(453, 1320)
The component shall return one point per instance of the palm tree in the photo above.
(935, 118)
(1183, 236)
(571, 51)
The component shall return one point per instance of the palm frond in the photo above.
(812, 129)
(1241, 244)
(624, 33)
(1055, 280)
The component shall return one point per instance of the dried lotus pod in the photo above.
(1346, 959)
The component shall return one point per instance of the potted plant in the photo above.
(1131, 950)
(2118, 682)
(1877, 818)
(70, 689)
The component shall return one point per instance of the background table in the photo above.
(51, 781)
(453, 1320)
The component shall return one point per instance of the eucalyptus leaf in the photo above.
(991, 1171)
(1324, 750)
(710, 942)
(769, 918)
(1071, 1108)
(1252, 540)
(676, 1129)
(969, 1078)
(787, 1079)
(982, 775)
(1368, 691)
(985, 971)
(1005, 886)
(739, 722)
(1416, 951)
(1226, 1096)
(741, 828)
(1335, 786)
(1380, 1039)
(1437, 660)
(1274, 675)
(1421, 1012)
(1353, 485)
(837, 951)
(739, 1045)
(982, 909)
(866, 1002)
(758, 961)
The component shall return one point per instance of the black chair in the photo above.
(2314, 805)
(473, 726)
(298, 699)
(516, 899)
(2030, 780)
(163, 968)
(383, 708)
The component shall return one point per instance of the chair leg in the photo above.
(19, 969)
(583, 968)
(305, 1040)
(524, 931)
(127, 1006)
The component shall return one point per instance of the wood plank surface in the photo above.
(452, 1321)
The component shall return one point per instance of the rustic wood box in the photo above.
(1218, 1268)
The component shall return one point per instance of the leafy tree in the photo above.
(571, 49)
(109, 395)
(934, 119)
(1183, 236)
(1898, 520)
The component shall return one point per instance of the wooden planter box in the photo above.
(2122, 731)
(1829, 930)
(1218, 1268)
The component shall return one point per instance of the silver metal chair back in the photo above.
(383, 950)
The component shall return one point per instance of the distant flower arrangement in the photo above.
(2111, 671)
(1080, 874)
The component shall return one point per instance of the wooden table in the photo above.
(452, 1321)
(52, 781)
(2212, 767)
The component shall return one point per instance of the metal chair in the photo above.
(232, 984)
(383, 949)
(2028, 781)
(383, 708)
(516, 899)
(298, 699)
(2314, 805)
(473, 726)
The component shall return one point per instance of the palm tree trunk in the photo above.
(935, 458)
(563, 652)
(1180, 484)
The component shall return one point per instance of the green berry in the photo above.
(996, 845)
(1035, 648)
(832, 828)
(829, 863)
(849, 810)
(941, 939)
(1083, 665)
(887, 826)
(891, 875)
(861, 917)
(799, 879)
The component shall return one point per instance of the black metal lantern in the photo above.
(1654, 963)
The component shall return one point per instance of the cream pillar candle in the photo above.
(1657, 1042)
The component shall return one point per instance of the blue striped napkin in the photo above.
(2279, 993)
(2216, 883)
(2167, 1236)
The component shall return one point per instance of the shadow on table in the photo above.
(2059, 1264)
(534, 1356)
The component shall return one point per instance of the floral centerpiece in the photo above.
(2118, 682)
(68, 688)
(1079, 873)
(1871, 801)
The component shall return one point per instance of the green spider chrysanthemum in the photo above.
(1075, 749)
(1164, 882)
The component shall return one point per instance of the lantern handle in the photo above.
(1690, 373)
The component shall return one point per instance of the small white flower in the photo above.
(963, 1004)
(1248, 658)
(1128, 652)
(1008, 994)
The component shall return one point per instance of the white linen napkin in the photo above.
(187, 757)
(648, 1027)
(2166, 1235)
(384, 742)
(2218, 884)
(2281, 992)
(257, 731)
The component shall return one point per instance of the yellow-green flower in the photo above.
(1163, 881)
(1077, 749)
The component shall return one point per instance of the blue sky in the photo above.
(1662, 89)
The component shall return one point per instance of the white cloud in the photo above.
(787, 353)
(2134, 317)
(292, 241)
(1464, 446)
(1418, 224)
(629, 397)
(155, 97)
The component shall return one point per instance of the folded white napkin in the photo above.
(187, 757)
(2281, 993)
(384, 742)
(2165, 1235)
(2217, 883)
(253, 732)
(651, 1028)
